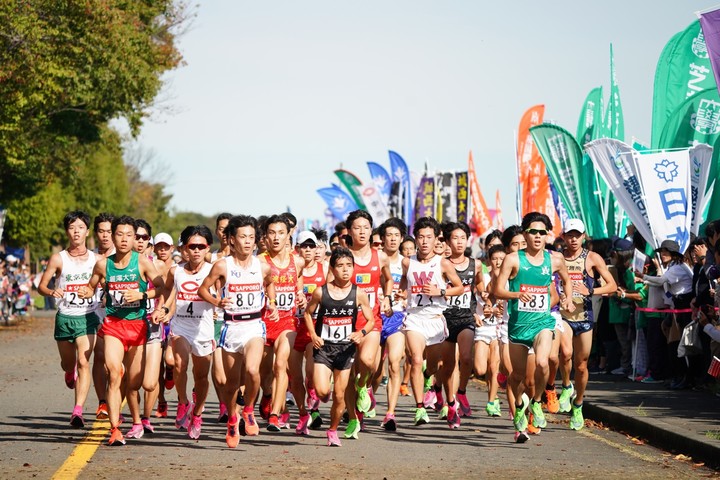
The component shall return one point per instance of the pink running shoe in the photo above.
(147, 426)
(373, 403)
(76, 419)
(389, 423)
(136, 431)
(194, 427)
(332, 439)
(284, 420)
(223, 417)
(312, 401)
(183, 412)
(439, 402)
(453, 418)
(429, 399)
(465, 410)
(302, 426)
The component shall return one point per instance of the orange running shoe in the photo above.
(531, 429)
(116, 437)
(232, 438)
(553, 405)
(404, 390)
(102, 411)
(161, 410)
(251, 426)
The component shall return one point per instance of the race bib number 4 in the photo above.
(539, 299)
(336, 330)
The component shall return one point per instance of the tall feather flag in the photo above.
(401, 176)
(480, 213)
(353, 185)
(381, 179)
(338, 201)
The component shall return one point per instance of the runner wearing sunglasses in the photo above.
(528, 274)
(583, 267)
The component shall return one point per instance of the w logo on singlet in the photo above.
(423, 278)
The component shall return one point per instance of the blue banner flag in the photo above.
(338, 201)
(381, 179)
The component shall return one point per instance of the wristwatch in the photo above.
(166, 309)
(442, 292)
(144, 297)
(363, 332)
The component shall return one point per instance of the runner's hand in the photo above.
(301, 300)
(356, 337)
(274, 314)
(317, 341)
(58, 293)
(131, 296)
(387, 307)
(157, 316)
(225, 302)
(568, 305)
(478, 320)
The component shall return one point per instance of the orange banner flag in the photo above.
(480, 213)
(499, 223)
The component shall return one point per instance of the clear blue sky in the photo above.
(276, 95)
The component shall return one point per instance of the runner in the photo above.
(163, 249)
(530, 325)
(427, 276)
(126, 275)
(407, 250)
(218, 374)
(246, 287)
(583, 266)
(280, 334)
(155, 338)
(460, 317)
(192, 331)
(76, 323)
(372, 274)
(491, 333)
(102, 226)
(335, 334)
(391, 338)
(313, 277)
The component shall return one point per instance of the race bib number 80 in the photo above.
(539, 299)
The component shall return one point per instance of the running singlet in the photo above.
(367, 277)
(310, 284)
(420, 274)
(583, 303)
(461, 307)
(190, 308)
(337, 319)
(396, 272)
(245, 288)
(285, 286)
(74, 275)
(536, 281)
(119, 279)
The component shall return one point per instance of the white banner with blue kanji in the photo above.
(700, 159)
(665, 178)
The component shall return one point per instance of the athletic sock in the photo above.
(437, 388)
(248, 409)
(420, 405)
(549, 387)
(426, 375)
(451, 404)
(461, 392)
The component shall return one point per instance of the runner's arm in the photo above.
(559, 266)
(387, 283)
(270, 292)
(610, 285)
(97, 277)
(54, 265)
(508, 267)
(363, 304)
(451, 275)
(308, 317)
(216, 276)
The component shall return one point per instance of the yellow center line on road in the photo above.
(84, 451)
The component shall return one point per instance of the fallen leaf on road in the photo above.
(698, 465)
(682, 458)
(637, 441)
(26, 465)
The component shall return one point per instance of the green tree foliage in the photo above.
(66, 68)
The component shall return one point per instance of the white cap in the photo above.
(574, 224)
(305, 236)
(163, 238)
(11, 258)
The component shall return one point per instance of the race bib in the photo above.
(285, 299)
(247, 298)
(116, 289)
(577, 279)
(72, 300)
(336, 330)
(539, 301)
(461, 301)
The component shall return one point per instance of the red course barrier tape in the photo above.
(663, 310)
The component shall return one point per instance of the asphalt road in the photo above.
(37, 439)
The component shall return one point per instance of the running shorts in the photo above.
(274, 329)
(335, 356)
(391, 325)
(487, 334)
(235, 335)
(70, 327)
(132, 333)
(432, 327)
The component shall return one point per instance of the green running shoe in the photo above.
(577, 422)
(363, 402)
(428, 384)
(421, 416)
(443, 412)
(353, 429)
(493, 408)
(566, 397)
(371, 413)
(316, 420)
(538, 415)
(520, 420)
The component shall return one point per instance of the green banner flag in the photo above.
(573, 175)
(353, 185)
(590, 121)
(683, 70)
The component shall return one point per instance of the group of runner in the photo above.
(248, 314)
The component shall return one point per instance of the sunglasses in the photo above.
(535, 231)
(377, 244)
(197, 246)
(145, 237)
(334, 245)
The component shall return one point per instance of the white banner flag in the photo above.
(374, 203)
(614, 160)
(700, 158)
(665, 178)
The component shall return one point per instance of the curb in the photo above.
(657, 433)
